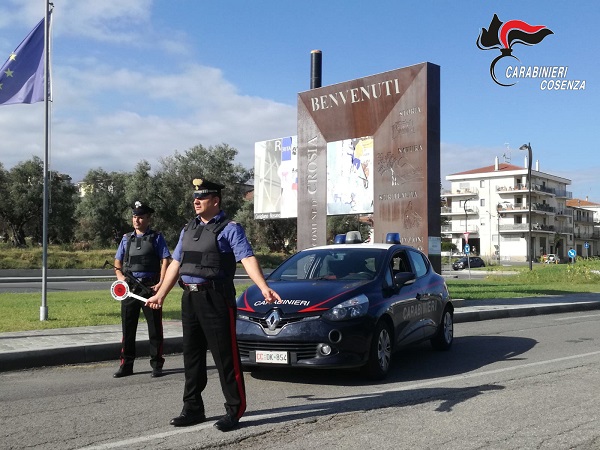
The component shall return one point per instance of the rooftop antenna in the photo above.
(506, 154)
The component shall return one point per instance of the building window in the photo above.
(482, 202)
(481, 183)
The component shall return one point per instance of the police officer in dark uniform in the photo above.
(204, 262)
(142, 254)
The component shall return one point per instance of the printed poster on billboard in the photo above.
(276, 178)
(350, 176)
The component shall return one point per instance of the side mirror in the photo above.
(403, 279)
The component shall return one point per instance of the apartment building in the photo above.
(586, 226)
(488, 206)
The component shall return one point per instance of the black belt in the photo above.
(152, 279)
(212, 284)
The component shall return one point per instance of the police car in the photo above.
(346, 305)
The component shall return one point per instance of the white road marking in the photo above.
(311, 408)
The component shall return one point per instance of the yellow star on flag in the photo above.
(12, 56)
(8, 72)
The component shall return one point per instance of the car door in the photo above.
(428, 297)
(402, 300)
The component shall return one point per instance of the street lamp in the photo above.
(467, 234)
(528, 148)
(466, 218)
(498, 216)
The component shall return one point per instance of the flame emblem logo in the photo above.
(503, 36)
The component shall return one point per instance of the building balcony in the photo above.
(468, 192)
(563, 194)
(449, 211)
(509, 189)
(510, 207)
(535, 227)
(584, 222)
(535, 188)
(543, 190)
(540, 208)
(457, 230)
(585, 235)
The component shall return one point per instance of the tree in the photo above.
(21, 203)
(100, 213)
(62, 205)
(140, 185)
(173, 184)
(273, 235)
(21, 191)
(342, 224)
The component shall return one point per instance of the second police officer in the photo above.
(143, 255)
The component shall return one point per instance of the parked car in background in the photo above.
(463, 263)
(346, 305)
(551, 258)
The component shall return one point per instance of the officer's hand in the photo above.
(270, 295)
(154, 302)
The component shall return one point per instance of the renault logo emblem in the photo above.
(273, 320)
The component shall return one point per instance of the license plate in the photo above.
(271, 357)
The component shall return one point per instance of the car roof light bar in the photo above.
(392, 238)
(353, 237)
(340, 239)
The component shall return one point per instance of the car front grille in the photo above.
(284, 321)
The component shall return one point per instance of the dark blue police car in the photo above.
(346, 305)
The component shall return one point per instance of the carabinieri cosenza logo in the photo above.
(503, 36)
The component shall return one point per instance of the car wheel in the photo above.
(380, 353)
(445, 334)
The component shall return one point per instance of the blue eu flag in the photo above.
(22, 75)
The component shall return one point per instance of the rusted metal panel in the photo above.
(400, 109)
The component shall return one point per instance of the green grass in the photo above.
(59, 257)
(552, 279)
(21, 311)
(70, 257)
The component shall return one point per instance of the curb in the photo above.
(524, 311)
(90, 353)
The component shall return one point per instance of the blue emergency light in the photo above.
(351, 237)
(340, 239)
(392, 238)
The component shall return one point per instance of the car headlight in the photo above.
(350, 309)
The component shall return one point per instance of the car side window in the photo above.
(418, 262)
(399, 263)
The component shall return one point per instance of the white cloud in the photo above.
(87, 135)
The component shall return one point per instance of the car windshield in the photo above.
(334, 264)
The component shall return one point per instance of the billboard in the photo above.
(398, 113)
(276, 178)
(350, 176)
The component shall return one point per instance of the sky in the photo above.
(140, 79)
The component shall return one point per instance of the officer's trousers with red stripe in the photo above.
(208, 320)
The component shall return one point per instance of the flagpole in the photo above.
(44, 307)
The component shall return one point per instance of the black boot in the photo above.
(124, 371)
(187, 418)
(227, 423)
